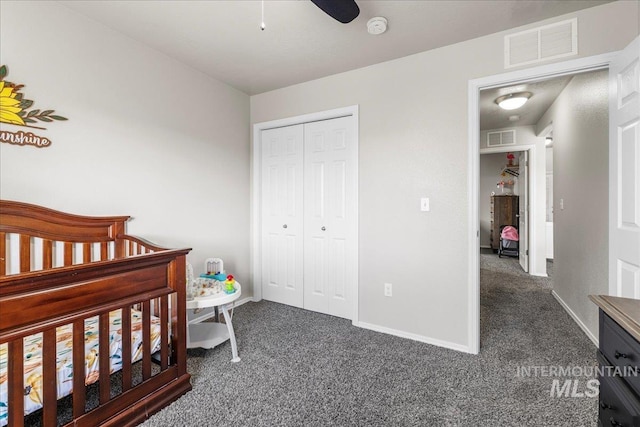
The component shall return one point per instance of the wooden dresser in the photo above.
(619, 360)
(504, 211)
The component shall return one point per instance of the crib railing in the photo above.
(59, 270)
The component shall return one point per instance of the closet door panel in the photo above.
(317, 272)
(282, 215)
(338, 275)
(329, 194)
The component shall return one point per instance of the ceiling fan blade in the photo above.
(343, 11)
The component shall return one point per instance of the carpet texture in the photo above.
(301, 368)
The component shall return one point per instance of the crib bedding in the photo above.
(64, 359)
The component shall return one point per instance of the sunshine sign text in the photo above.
(24, 138)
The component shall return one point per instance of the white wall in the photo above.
(413, 143)
(580, 118)
(146, 136)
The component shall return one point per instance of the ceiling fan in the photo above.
(343, 11)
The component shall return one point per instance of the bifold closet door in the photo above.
(282, 215)
(329, 217)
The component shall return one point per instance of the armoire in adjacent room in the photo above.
(504, 211)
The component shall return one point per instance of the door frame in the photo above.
(532, 241)
(576, 66)
(255, 255)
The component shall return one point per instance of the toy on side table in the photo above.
(229, 285)
(214, 268)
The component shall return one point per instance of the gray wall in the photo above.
(413, 143)
(580, 118)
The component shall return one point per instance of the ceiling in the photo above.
(300, 43)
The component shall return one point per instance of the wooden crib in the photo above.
(58, 271)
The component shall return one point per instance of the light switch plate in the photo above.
(424, 204)
(388, 289)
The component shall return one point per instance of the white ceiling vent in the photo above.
(501, 137)
(541, 44)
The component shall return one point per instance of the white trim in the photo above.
(242, 301)
(414, 337)
(352, 111)
(497, 150)
(575, 317)
(545, 71)
(473, 225)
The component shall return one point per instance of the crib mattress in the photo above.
(64, 362)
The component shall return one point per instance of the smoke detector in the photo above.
(377, 25)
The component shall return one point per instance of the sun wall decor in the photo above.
(18, 111)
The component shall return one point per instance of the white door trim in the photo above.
(575, 66)
(533, 188)
(255, 256)
(624, 238)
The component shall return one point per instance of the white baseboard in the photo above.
(415, 337)
(575, 317)
(243, 301)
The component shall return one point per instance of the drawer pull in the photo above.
(605, 406)
(615, 423)
(618, 355)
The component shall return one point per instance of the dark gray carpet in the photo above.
(300, 368)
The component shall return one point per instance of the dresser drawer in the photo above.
(621, 350)
(618, 404)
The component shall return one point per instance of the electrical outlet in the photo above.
(561, 204)
(388, 289)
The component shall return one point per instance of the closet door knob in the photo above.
(284, 226)
(323, 228)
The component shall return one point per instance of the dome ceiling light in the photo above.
(513, 101)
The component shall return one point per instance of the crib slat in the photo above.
(126, 348)
(16, 382)
(103, 355)
(164, 332)
(131, 252)
(86, 253)
(25, 253)
(79, 394)
(68, 253)
(3, 254)
(47, 254)
(49, 411)
(103, 251)
(146, 340)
